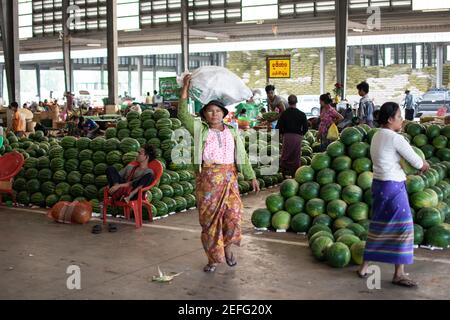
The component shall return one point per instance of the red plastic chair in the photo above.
(135, 205)
(10, 165)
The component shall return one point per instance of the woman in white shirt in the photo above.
(391, 231)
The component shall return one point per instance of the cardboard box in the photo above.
(111, 109)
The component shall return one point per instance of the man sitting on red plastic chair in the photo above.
(124, 184)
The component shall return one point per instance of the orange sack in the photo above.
(79, 212)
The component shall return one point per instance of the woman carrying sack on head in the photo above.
(328, 117)
(219, 151)
(391, 231)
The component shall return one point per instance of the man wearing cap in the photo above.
(219, 153)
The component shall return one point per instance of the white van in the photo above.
(309, 104)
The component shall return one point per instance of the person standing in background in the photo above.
(148, 98)
(293, 125)
(328, 116)
(17, 120)
(366, 107)
(409, 106)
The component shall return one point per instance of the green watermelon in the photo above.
(336, 149)
(59, 176)
(358, 211)
(424, 199)
(428, 150)
(129, 145)
(320, 161)
(304, 174)
(341, 232)
(357, 252)
(413, 129)
(99, 157)
(156, 193)
(365, 180)
(123, 134)
(114, 157)
(438, 236)
(346, 178)
(315, 207)
(110, 133)
(74, 177)
(177, 189)
(342, 222)
(43, 162)
(420, 140)
(289, 188)
(83, 143)
(122, 124)
(294, 205)
(407, 167)
(317, 228)
(23, 198)
(275, 203)
(361, 165)
(57, 164)
(20, 184)
(325, 176)
(150, 133)
(71, 165)
(62, 188)
(71, 153)
(428, 217)
(88, 179)
(338, 255)
(167, 190)
(320, 246)
(300, 222)
(101, 181)
(357, 229)
(86, 166)
(111, 145)
(440, 142)
(330, 192)
(163, 124)
(443, 154)
(85, 155)
(68, 142)
(76, 190)
(414, 184)
(261, 218)
(348, 239)
(161, 114)
(358, 150)
(281, 220)
(181, 204)
(33, 186)
(322, 219)
(129, 157)
(133, 115)
(148, 124)
(191, 201)
(134, 124)
(350, 136)
(309, 190)
(320, 233)
(100, 169)
(45, 175)
(98, 144)
(336, 208)
(371, 133)
(38, 199)
(418, 234)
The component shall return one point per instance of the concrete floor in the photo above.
(35, 253)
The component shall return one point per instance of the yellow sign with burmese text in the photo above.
(279, 67)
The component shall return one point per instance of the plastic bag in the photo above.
(333, 132)
(217, 83)
(71, 212)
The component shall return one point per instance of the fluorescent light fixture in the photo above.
(358, 30)
(211, 38)
(435, 10)
(427, 5)
(132, 30)
(251, 22)
(93, 45)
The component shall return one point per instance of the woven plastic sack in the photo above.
(217, 83)
(77, 212)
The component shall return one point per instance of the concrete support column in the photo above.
(322, 70)
(140, 70)
(154, 73)
(130, 78)
(185, 34)
(38, 81)
(9, 26)
(102, 76)
(396, 54)
(1, 80)
(341, 42)
(66, 47)
(430, 54)
(439, 65)
(414, 56)
(113, 43)
(179, 68)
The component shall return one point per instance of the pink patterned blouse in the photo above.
(219, 147)
(327, 117)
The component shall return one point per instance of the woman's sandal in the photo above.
(210, 268)
(112, 227)
(231, 261)
(97, 229)
(405, 282)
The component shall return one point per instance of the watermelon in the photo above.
(304, 174)
(57, 164)
(31, 173)
(30, 163)
(407, 167)
(161, 114)
(99, 157)
(87, 179)
(86, 166)
(261, 218)
(428, 150)
(191, 201)
(440, 142)
(320, 246)
(71, 153)
(148, 124)
(330, 192)
(418, 234)
(439, 192)
(348, 239)
(45, 175)
(309, 190)
(129, 145)
(110, 133)
(322, 219)
(358, 211)
(150, 133)
(129, 157)
(365, 180)
(352, 194)
(281, 220)
(443, 154)
(325, 176)
(357, 252)
(113, 157)
(275, 203)
(338, 255)
(98, 144)
(133, 115)
(371, 133)
(155, 142)
(76, 190)
(156, 193)
(358, 150)
(428, 217)
(74, 177)
(361, 165)
(444, 209)
(111, 145)
(134, 124)
(59, 176)
(336, 208)
(123, 134)
(68, 142)
(413, 129)
(101, 181)
(176, 123)
(420, 140)
(38, 199)
(414, 184)
(320, 161)
(83, 143)
(122, 124)
(20, 184)
(341, 232)
(163, 124)
(177, 189)
(100, 169)
(315, 207)
(433, 131)
(289, 188)
(43, 162)
(137, 133)
(167, 190)
(350, 136)
(300, 222)
(346, 178)
(294, 205)
(368, 196)
(181, 204)
(342, 222)
(438, 236)
(85, 155)
(71, 165)
(23, 198)
(424, 199)
(320, 233)
(317, 228)
(33, 186)
(62, 188)
(357, 229)
(336, 149)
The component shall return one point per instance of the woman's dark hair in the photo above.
(387, 111)
(150, 152)
(326, 98)
(364, 86)
(270, 88)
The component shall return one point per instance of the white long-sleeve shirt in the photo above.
(386, 150)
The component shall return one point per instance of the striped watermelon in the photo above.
(59, 176)
(101, 181)
(156, 193)
(137, 133)
(174, 176)
(30, 163)
(165, 134)
(129, 145)
(68, 142)
(80, 199)
(90, 192)
(20, 184)
(167, 190)
(51, 200)
(181, 204)
(99, 157)
(122, 124)
(62, 188)
(66, 197)
(110, 133)
(88, 179)
(95, 205)
(57, 164)
(74, 177)
(38, 199)
(98, 144)
(170, 202)
(150, 133)
(142, 141)
(76, 190)
(71, 153)
(129, 157)
(83, 143)
(48, 188)
(111, 145)
(147, 124)
(71, 165)
(184, 175)
(100, 169)
(191, 201)
(45, 175)
(168, 144)
(161, 114)
(23, 198)
(100, 193)
(132, 115)
(86, 166)
(118, 166)
(161, 208)
(56, 152)
(176, 123)
(85, 155)
(163, 124)
(134, 124)
(43, 162)
(155, 142)
(114, 157)
(146, 115)
(33, 186)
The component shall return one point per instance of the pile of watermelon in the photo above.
(331, 198)
(75, 169)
